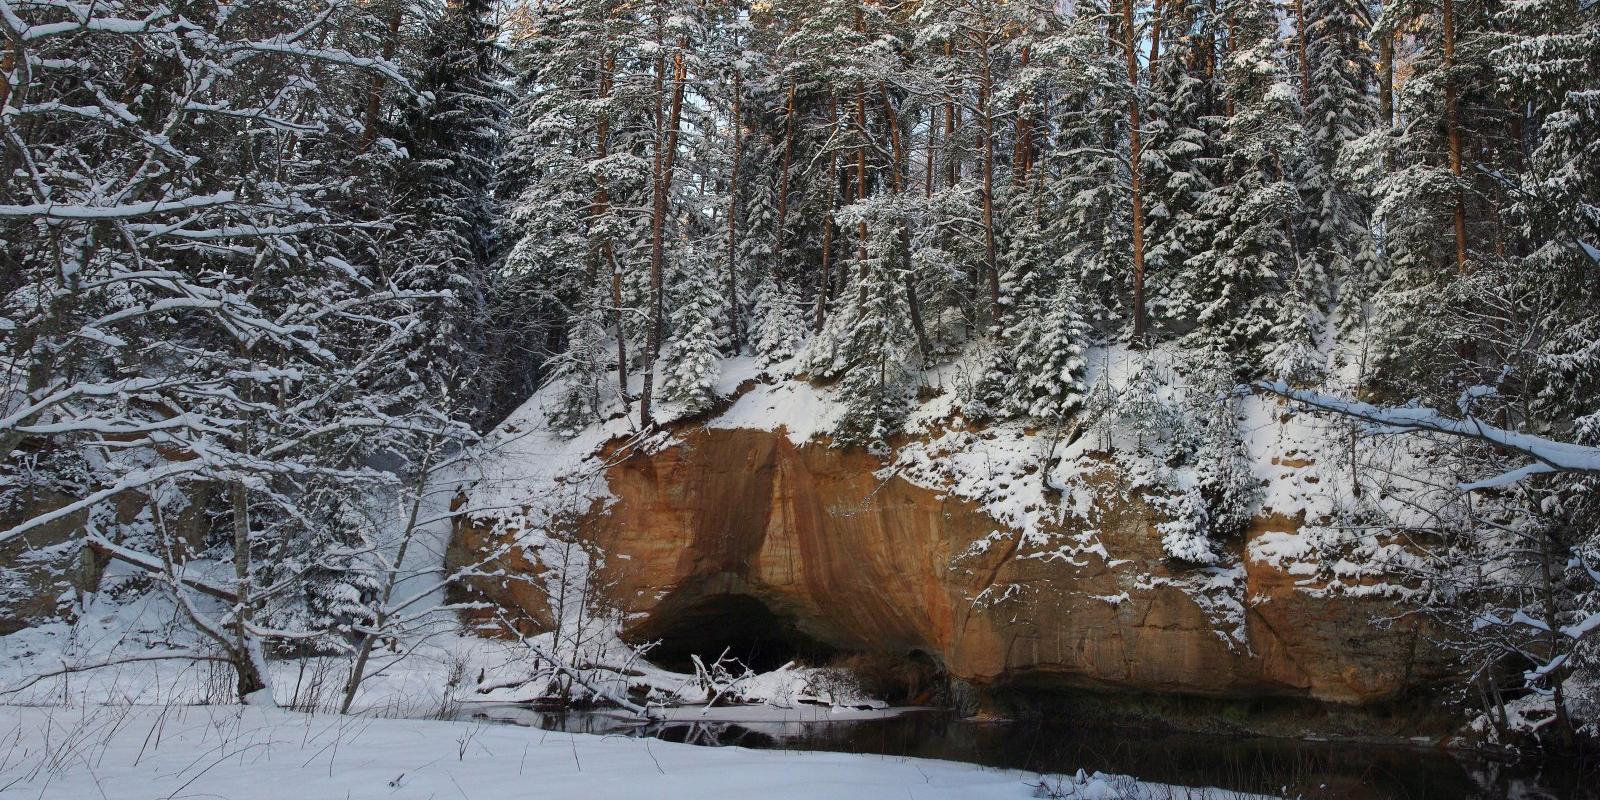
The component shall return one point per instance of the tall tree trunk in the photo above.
(1211, 51)
(1453, 130)
(661, 170)
(1019, 150)
(1301, 51)
(783, 177)
(1386, 79)
(1386, 91)
(733, 223)
(952, 118)
(1129, 39)
(861, 188)
(825, 279)
(369, 124)
(1233, 36)
(602, 205)
(991, 261)
(7, 63)
(246, 649)
(1156, 27)
(861, 174)
(900, 175)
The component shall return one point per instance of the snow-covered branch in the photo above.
(1548, 455)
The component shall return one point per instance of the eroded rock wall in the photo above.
(873, 564)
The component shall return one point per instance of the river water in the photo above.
(1276, 767)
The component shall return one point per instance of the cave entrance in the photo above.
(750, 631)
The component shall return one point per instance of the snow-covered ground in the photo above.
(81, 738)
(249, 753)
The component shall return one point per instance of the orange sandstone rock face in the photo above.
(872, 565)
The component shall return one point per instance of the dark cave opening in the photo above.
(744, 626)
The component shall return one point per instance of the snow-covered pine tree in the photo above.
(1186, 531)
(453, 137)
(1344, 267)
(1178, 159)
(977, 34)
(1550, 60)
(780, 324)
(576, 152)
(876, 349)
(1222, 464)
(1239, 285)
(1207, 489)
(455, 131)
(1036, 364)
(1047, 343)
(690, 367)
(757, 245)
(670, 36)
(1295, 355)
(581, 384)
(1435, 208)
(1088, 186)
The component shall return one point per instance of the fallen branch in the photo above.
(150, 564)
(577, 676)
(1548, 455)
(68, 670)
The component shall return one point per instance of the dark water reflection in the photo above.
(1274, 767)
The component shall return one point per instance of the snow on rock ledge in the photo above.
(956, 548)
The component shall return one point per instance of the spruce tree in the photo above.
(581, 388)
(1550, 58)
(1339, 247)
(1179, 157)
(1251, 268)
(779, 323)
(698, 334)
(1049, 340)
(878, 381)
(1090, 189)
(453, 135)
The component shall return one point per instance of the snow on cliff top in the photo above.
(1030, 480)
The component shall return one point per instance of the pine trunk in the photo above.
(1019, 151)
(990, 259)
(1386, 90)
(369, 124)
(861, 187)
(1301, 51)
(1453, 130)
(952, 118)
(825, 279)
(783, 177)
(1386, 79)
(602, 204)
(1130, 40)
(1155, 35)
(661, 169)
(733, 224)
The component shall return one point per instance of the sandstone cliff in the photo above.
(861, 560)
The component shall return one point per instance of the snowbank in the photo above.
(240, 753)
